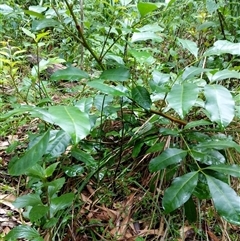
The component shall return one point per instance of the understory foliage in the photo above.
(122, 96)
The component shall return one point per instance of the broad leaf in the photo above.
(136, 37)
(70, 73)
(190, 210)
(180, 191)
(54, 186)
(23, 232)
(225, 199)
(193, 124)
(211, 6)
(59, 141)
(142, 97)
(30, 157)
(71, 120)
(37, 212)
(27, 200)
(119, 74)
(182, 97)
(61, 202)
(44, 23)
(145, 8)
(225, 74)
(142, 57)
(219, 104)
(233, 170)
(219, 144)
(224, 47)
(168, 157)
(106, 89)
(192, 71)
(50, 169)
(190, 46)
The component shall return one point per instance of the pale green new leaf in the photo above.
(180, 191)
(225, 74)
(136, 37)
(30, 157)
(144, 8)
(190, 46)
(223, 47)
(166, 158)
(233, 170)
(44, 23)
(225, 199)
(219, 104)
(182, 97)
(71, 120)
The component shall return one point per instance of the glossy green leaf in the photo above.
(190, 46)
(61, 202)
(143, 36)
(208, 157)
(44, 23)
(156, 148)
(71, 120)
(219, 104)
(23, 232)
(36, 171)
(30, 157)
(219, 144)
(73, 171)
(59, 141)
(192, 71)
(144, 8)
(225, 74)
(180, 191)
(223, 47)
(182, 97)
(84, 157)
(119, 74)
(193, 124)
(233, 170)
(201, 191)
(166, 158)
(27, 200)
(142, 97)
(71, 73)
(225, 199)
(37, 212)
(106, 89)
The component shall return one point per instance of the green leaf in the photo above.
(55, 186)
(193, 124)
(36, 171)
(142, 97)
(61, 202)
(190, 46)
(192, 71)
(219, 144)
(27, 200)
(23, 232)
(182, 97)
(33, 13)
(233, 170)
(208, 157)
(145, 8)
(225, 199)
(71, 73)
(71, 120)
(190, 210)
(84, 157)
(59, 141)
(225, 74)
(5, 9)
(50, 169)
(28, 33)
(136, 37)
(223, 47)
(119, 74)
(37, 212)
(142, 57)
(73, 171)
(106, 89)
(211, 6)
(180, 191)
(44, 23)
(30, 157)
(219, 104)
(168, 157)
(156, 147)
